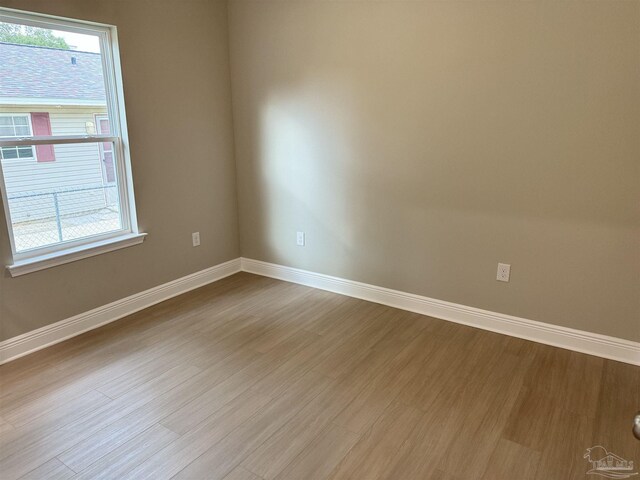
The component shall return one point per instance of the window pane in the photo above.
(72, 197)
(6, 131)
(9, 153)
(68, 74)
(25, 152)
(22, 131)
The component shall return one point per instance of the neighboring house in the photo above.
(46, 91)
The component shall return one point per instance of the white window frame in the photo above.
(68, 251)
(32, 158)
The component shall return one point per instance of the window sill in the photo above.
(33, 264)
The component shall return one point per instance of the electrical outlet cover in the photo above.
(504, 272)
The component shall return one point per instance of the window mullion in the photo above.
(55, 140)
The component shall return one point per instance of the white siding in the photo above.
(75, 166)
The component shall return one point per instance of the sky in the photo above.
(78, 41)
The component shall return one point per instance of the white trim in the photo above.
(580, 341)
(562, 337)
(51, 334)
(60, 257)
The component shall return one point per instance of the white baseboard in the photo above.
(568, 338)
(51, 334)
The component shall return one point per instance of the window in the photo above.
(12, 126)
(65, 177)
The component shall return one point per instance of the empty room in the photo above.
(319, 239)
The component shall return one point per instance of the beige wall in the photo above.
(420, 143)
(416, 143)
(177, 92)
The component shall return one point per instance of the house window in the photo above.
(67, 192)
(12, 126)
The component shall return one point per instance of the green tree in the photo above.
(25, 35)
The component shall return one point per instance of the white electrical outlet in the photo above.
(504, 270)
(300, 239)
(195, 238)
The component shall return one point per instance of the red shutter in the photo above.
(42, 127)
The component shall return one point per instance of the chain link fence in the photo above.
(48, 217)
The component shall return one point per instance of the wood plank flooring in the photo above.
(256, 379)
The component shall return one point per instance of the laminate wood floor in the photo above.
(253, 378)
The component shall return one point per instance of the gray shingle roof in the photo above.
(41, 72)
